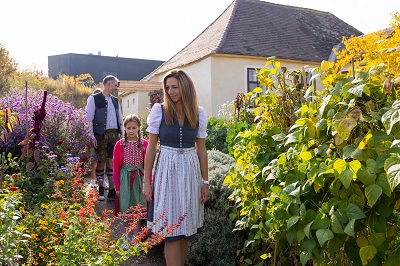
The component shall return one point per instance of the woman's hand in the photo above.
(204, 193)
(147, 192)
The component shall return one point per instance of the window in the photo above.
(252, 81)
(128, 103)
(133, 101)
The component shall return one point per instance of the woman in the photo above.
(180, 180)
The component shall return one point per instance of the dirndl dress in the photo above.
(176, 209)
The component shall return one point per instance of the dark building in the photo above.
(99, 66)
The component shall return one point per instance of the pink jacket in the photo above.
(118, 159)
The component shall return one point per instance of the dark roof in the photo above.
(263, 29)
(98, 66)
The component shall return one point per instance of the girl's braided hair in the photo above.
(135, 119)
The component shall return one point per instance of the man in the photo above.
(105, 128)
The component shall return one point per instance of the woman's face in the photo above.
(173, 89)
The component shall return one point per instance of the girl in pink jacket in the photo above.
(129, 154)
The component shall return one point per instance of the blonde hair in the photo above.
(135, 119)
(189, 98)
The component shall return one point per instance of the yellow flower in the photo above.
(41, 255)
(44, 206)
(45, 239)
(35, 262)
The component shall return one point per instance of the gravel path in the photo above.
(154, 257)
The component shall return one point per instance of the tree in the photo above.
(8, 67)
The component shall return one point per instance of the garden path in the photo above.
(154, 257)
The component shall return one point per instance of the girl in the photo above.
(129, 154)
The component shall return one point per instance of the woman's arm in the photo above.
(203, 159)
(151, 152)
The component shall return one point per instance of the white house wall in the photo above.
(138, 103)
(218, 78)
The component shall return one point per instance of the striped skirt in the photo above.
(176, 209)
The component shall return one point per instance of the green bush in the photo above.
(217, 243)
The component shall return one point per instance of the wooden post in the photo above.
(26, 119)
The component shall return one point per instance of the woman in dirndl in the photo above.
(180, 181)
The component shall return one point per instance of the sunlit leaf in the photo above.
(372, 193)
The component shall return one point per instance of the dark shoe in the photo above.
(101, 193)
(111, 194)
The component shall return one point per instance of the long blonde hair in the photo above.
(189, 98)
(135, 119)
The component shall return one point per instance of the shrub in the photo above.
(63, 123)
(217, 243)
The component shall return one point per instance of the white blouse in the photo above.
(155, 116)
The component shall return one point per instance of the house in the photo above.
(222, 59)
(99, 66)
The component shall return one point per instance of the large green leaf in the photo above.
(324, 235)
(320, 222)
(391, 117)
(383, 182)
(372, 193)
(349, 228)
(394, 176)
(367, 253)
(335, 225)
(308, 244)
(304, 257)
(346, 177)
(344, 126)
(354, 212)
(358, 90)
(377, 239)
(366, 175)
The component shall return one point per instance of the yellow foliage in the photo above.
(370, 51)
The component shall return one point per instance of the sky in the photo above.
(144, 29)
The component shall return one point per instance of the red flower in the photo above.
(85, 159)
(68, 149)
(59, 142)
(12, 188)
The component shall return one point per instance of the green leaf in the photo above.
(383, 182)
(292, 221)
(307, 229)
(394, 176)
(392, 260)
(358, 90)
(390, 162)
(321, 124)
(344, 126)
(291, 235)
(304, 257)
(367, 254)
(348, 151)
(335, 225)
(366, 176)
(349, 228)
(346, 177)
(308, 244)
(372, 193)
(377, 239)
(324, 235)
(354, 212)
(390, 118)
(321, 222)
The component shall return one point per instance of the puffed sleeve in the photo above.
(154, 119)
(202, 134)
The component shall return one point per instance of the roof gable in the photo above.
(263, 29)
